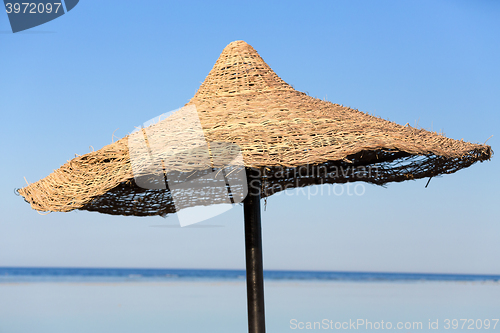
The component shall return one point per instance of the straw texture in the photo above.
(294, 139)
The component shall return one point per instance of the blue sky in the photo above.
(106, 67)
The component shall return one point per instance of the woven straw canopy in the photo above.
(294, 139)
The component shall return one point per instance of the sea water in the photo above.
(138, 300)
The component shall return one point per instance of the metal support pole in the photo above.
(253, 250)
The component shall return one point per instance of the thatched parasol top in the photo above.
(278, 130)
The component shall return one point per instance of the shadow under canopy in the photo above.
(285, 138)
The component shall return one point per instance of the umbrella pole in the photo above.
(253, 251)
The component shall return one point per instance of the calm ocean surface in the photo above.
(34, 274)
(53, 300)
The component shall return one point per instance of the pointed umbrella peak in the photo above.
(240, 44)
(240, 70)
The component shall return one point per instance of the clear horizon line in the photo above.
(243, 270)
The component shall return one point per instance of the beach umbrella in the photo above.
(245, 135)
